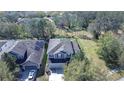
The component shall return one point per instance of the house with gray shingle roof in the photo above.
(19, 51)
(28, 50)
(60, 51)
(34, 60)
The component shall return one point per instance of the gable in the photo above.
(57, 45)
(29, 63)
(60, 55)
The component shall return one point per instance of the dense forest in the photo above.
(21, 25)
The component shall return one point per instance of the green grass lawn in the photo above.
(90, 48)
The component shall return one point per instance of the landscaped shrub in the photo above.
(10, 61)
(5, 73)
(11, 65)
(110, 49)
(83, 70)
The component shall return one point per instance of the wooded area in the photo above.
(43, 24)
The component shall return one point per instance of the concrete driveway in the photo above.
(57, 70)
(56, 74)
(56, 77)
(23, 75)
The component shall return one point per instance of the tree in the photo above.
(121, 60)
(46, 28)
(83, 70)
(24, 34)
(10, 31)
(5, 74)
(94, 30)
(110, 49)
(12, 16)
(84, 18)
(10, 61)
(12, 66)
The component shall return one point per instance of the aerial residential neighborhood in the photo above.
(53, 46)
(62, 46)
(29, 55)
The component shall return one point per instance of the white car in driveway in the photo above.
(31, 76)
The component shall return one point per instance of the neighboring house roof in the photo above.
(30, 45)
(23, 45)
(65, 45)
(36, 56)
(20, 48)
(53, 43)
(2, 42)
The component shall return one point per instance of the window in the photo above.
(65, 55)
(62, 56)
(51, 56)
(59, 55)
(56, 55)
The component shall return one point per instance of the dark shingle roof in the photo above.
(36, 56)
(19, 48)
(2, 43)
(24, 45)
(66, 45)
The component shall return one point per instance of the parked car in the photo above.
(32, 75)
